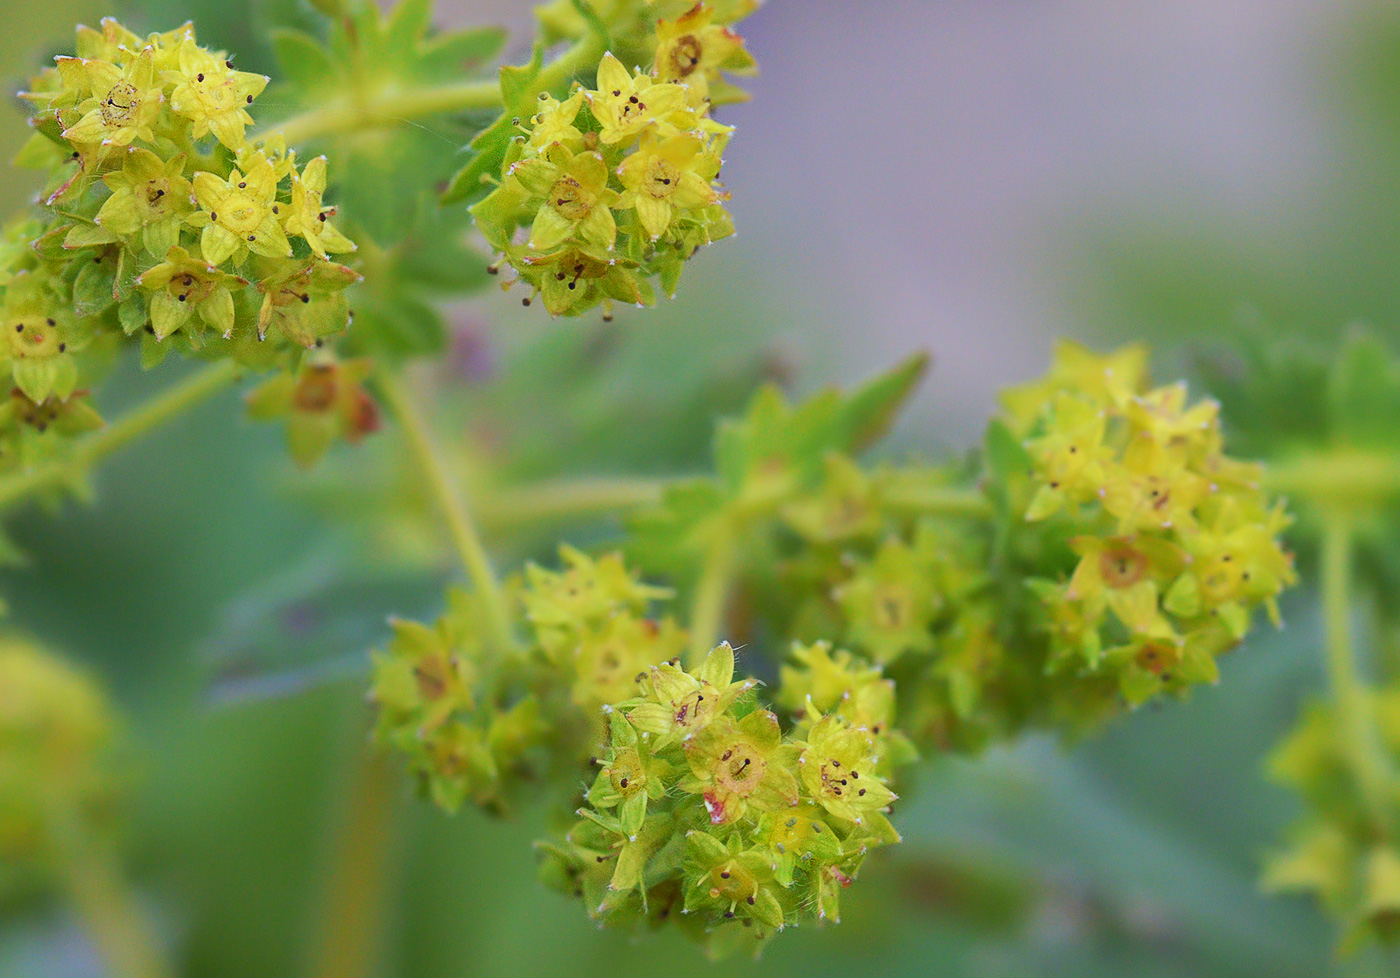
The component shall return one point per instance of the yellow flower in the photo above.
(38, 332)
(554, 123)
(1108, 381)
(576, 198)
(123, 104)
(573, 279)
(1071, 459)
(625, 105)
(307, 216)
(210, 93)
(1124, 575)
(242, 215)
(149, 196)
(692, 50)
(1154, 489)
(184, 285)
(666, 174)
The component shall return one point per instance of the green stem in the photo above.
(119, 928)
(553, 502)
(711, 597)
(940, 501)
(347, 943)
(357, 111)
(169, 404)
(1342, 478)
(451, 503)
(1362, 738)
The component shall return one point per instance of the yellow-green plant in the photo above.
(1100, 550)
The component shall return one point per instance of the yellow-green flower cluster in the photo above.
(163, 220)
(689, 42)
(1174, 542)
(617, 185)
(461, 712)
(58, 776)
(476, 721)
(1346, 848)
(705, 812)
(589, 619)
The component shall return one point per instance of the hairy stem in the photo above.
(1362, 738)
(450, 501)
(165, 406)
(357, 111)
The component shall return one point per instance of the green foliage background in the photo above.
(1136, 854)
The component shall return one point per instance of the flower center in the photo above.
(626, 773)
(570, 199)
(686, 55)
(838, 780)
(891, 608)
(316, 391)
(1157, 658)
(215, 91)
(121, 105)
(693, 709)
(1122, 566)
(190, 288)
(241, 214)
(34, 337)
(153, 197)
(740, 770)
(633, 110)
(663, 178)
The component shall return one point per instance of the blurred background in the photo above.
(973, 178)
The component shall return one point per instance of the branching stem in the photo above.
(358, 111)
(165, 406)
(450, 501)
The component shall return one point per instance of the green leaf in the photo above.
(302, 59)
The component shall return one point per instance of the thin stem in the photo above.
(357, 111)
(355, 114)
(553, 502)
(1362, 739)
(119, 928)
(1345, 478)
(348, 941)
(451, 503)
(711, 597)
(169, 404)
(940, 501)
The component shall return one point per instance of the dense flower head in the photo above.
(58, 737)
(465, 730)
(478, 722)
(1175, 543)
(616, 186)
(704, 808)
(164, 221)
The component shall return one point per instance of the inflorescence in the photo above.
(617, 185)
